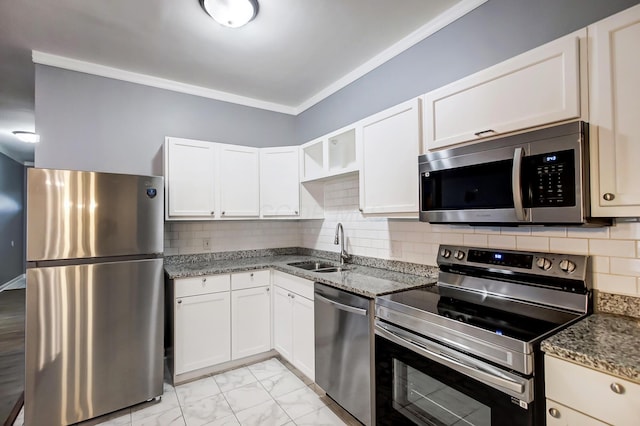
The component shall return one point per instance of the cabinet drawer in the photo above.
(559, 415)
(591, 392)
(251, 279)
(201, 285)
(298, 285)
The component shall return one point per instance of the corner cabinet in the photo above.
(279, 177)
(580, 396)
(293, 317)
(389, 146)
(190, 180)
(538, 87)
(614, 72)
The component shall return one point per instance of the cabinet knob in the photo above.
(213, 213)
(223, 213)
(554, 412)
(268, 289)
(179, 301)
(295, 212)
(251, 275)
(361, 210)
(609, 196)
(293, 296)
(617, 388)
(204, 280)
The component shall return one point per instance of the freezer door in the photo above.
(94, 339)
(72, 215)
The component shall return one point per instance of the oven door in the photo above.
(419, 382)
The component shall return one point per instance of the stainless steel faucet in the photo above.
(339, 239)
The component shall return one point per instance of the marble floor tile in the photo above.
(266, 414)
(226, 421)
(116, 419)
(234, 379)
(206, 410)
(267, 368)
(282, 383)
(300, 402)
(321, 417)
(194, 391)
(247, 396)
(148, 409)
(172, 417)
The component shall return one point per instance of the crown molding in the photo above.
(436, 24)
(43, 58)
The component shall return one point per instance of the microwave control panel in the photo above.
(552, 179)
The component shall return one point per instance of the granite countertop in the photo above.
(364, 280)
(604, 342)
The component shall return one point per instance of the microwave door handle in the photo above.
(516, 184)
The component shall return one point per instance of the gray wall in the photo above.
(88, 122)
(11, 219)
(95, 123)
(497, 30)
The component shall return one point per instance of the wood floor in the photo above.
(12, 307)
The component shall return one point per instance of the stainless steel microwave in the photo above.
(535, 178)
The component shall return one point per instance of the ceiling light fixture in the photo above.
(231, 13)
(28, 137)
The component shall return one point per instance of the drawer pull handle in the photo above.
(482, 132)
(179, 302)
(554, 412)
(617, 388)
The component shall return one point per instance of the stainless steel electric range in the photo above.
(466, 351)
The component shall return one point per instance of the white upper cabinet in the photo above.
(538, 87)
(279, 181)
(389, 144)
(331, 155)
(614, 92)
(190, 182)
(239, 177)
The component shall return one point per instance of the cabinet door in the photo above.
(282, 326)
(614, 72)
(537, 87)
(559, 415)
(202, 331)
(239, 181)
(303, 336)
(279, 182)
(250, 321)
(189, 178)
(390, 145)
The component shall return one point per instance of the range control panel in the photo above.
(570, 266)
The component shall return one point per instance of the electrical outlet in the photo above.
(205, 243)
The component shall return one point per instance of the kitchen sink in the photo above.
(321, 267)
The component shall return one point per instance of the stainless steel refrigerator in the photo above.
(94, 315)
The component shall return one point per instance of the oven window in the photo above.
(427, 401)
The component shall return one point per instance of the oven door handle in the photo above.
(451, 362)
(516, 184)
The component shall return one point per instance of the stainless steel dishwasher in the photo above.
(344, 349)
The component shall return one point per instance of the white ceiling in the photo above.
(293, 54)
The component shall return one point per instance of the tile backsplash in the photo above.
(615, 250)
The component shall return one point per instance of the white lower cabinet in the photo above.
(589, 397)
(250, 321)
(202, 331)
(293, 330)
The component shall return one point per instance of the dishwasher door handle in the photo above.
(341, 306)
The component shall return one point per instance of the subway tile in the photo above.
(625, 231)
(569, 245)
(475, 240)
(612, 248)
(591, 233)
(550, 231)
(600, 264)
(624, 266)
(452, 239)
(515, 230)
(532, 243)
(617, 284)
(502, 241)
